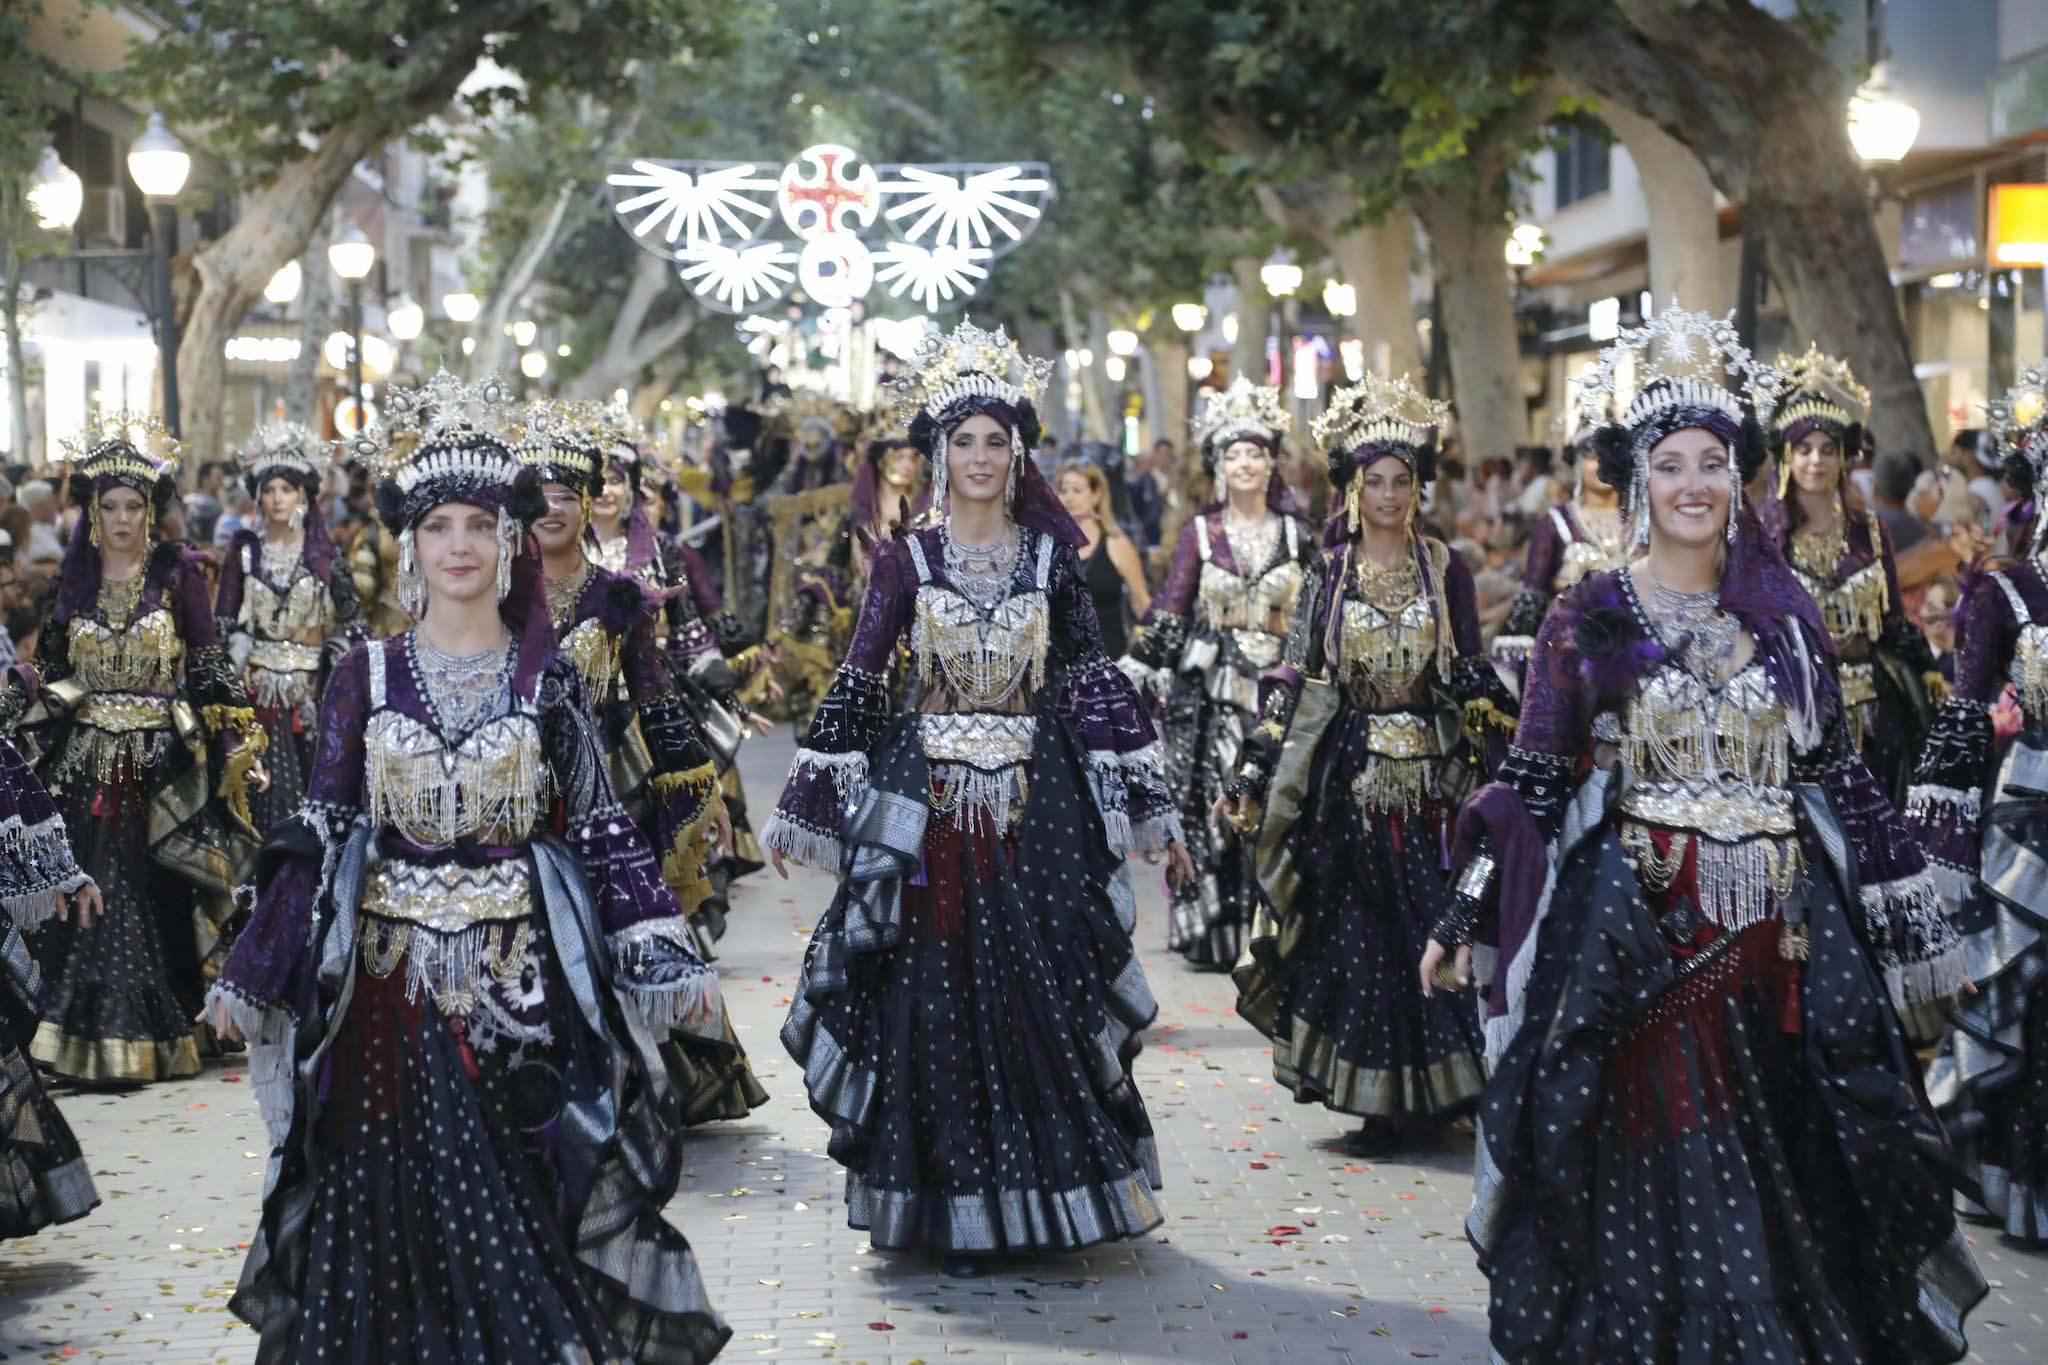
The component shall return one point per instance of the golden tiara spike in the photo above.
(105, 433)
(553, 428)
(284, 443)
(1240, 407)
(969, 361)
(440, 411)
(1816, 383)
(1377, 409)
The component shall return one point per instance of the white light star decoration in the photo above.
(939, 225)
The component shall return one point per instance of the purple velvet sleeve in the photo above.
(1177, 594)
(704, 594)
(1545, 557)
(1463, 600)
(1105, 711)
(1944, 802)
(227, 597)
(1985, 642)
(185, 595)
(1553, 719)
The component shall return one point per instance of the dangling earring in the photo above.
(93, 532)
(1010, 482)
(1639, 507)
(1351, 502)
(298, 517)
(939, 463)
(412, 580)
(1734, 492)
(505, 529)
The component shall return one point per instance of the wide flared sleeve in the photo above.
(1486, 706)
(267, 980)
(831, 767)
(1905, 915)
(1943, 804)
(682, 779)
(1106, 712)
(654, 958)
(1156, 646)
(1540, 567)
(37, 869)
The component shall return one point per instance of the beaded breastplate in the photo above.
(139, 657)
(2029, 671)
(1256, 599)
(301, 613)
(1584, 550)
(490, 784)
(595, 653)
(1852, 608)
(1389, 633)
(988, 657)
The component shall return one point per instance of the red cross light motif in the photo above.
(827, 200)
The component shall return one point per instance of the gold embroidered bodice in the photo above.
(302, 614)
(987, 662)
(1386, 648)
(492, 784)
(1260, 599)
(1714, 760)
(143, 656)
(596, 655)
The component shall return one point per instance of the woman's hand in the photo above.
(88, 903)
(1180, 867)
(259, 776)
(215, 1014)
(721, 837)
(775, 861)
(1434, 974)
(761, 722)
(1241, 814)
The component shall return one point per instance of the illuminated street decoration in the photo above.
(926, 231)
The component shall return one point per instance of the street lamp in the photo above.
(284, 286)
(353, 257)
(1881, 125)
(461, 307)
(1123, 343)
(55, 193)
(406, 319)
(1280, 274)
(1114, 369)
(1340, 299)
(523, 332)
(1200, 367)
(1190, 317)
(159, 163)
(533, 364)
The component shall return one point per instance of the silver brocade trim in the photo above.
(448, 897)
(978, 763)
(494, 784)
(985, 658)
(483, 974)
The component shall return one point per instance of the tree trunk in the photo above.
(647, 399)
(316, 319)
(10, 322)
(1170, 370)
(1685, 239)
(513, 280)
(1466, 255)
(1254, 320)
(1738, 87)
(629, 350)
(1373, 259)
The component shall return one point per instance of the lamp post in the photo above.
(353, 257)
(159, 163)
(55, 193)
(1282, 277)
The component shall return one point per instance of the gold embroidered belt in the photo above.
(1730, 815)
(284, 656)
(122, 712)
(1402, 734)
(448, 898)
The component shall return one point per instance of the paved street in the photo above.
(1274, 1246)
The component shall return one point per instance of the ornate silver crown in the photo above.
(1378, 410)
(2018, 419)
(123, 444)
(969, 362)
(285, 445)
(1243, 409)
(445, 428)
(1695, 356)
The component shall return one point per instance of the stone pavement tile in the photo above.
(1274, 1248)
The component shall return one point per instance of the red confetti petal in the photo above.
(883, 1326)
(1284, 1230)
(1259, 1166)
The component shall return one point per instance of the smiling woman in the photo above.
(452, 1006)
(1695, 951)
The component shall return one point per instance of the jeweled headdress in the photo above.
(1377, 417)
(449, 441)
(565, 442)
(2018, 422)
(131, 448)
(1243, 411)
(808, 414)
(286, 448)
(1690, 370)
(1818, 393)
(954, 376)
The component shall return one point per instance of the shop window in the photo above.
(1582, 156)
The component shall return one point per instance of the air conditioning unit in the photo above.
(104, 219)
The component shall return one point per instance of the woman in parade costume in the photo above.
(1704, 1138)
(1568, 543)
(285, 608)
(1980, 807)
(1109, 561)
(971, 1003)
(711, 666)
(1365, 728)
(661, 772)
(143, 722)
(43, 1177)
(1219, 622)
(453, 1009)
(1842, 555)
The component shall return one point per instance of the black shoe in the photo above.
(1376, 1137)
(962, 1267)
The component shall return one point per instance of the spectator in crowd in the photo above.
(39, 496)
(1967, 455)
(203, 502)
(12, 599)
(1891, 482)
(1937, 621)
(1147, 487)
(240, 513)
